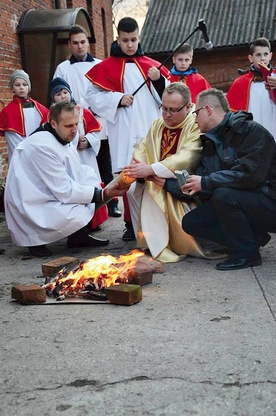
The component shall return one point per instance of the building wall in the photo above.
(100, 12)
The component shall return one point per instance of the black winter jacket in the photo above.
(238, 153)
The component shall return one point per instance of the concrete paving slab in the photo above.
(201, 342)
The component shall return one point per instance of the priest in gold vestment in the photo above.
(172, 143)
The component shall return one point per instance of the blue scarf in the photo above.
(189, 71)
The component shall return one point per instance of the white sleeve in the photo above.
(103, 103)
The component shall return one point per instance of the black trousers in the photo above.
(234, 218)
(105, 167)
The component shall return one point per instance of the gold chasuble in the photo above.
(160, 216)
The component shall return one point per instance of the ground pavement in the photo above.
(201, 342)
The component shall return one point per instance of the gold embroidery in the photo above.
(167, 143)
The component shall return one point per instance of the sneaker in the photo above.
(128, 233)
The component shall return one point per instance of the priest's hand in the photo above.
(138, 169)
(153, 73)
(157, 181)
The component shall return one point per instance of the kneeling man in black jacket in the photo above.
(236, 182)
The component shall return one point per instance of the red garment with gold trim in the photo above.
(195, 82)
(169, 142)
(239, 92)
(109, 74)
(12, 116)
(90, 122)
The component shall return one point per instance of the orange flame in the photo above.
(102, 271)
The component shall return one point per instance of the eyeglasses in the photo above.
(172, 110)
(201, 108)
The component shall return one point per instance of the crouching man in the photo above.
(236, 182)
(49, 194)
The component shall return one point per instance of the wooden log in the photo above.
(52, 267)
(28, 293)
(124, 294)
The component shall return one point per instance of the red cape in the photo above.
(12, 117)
(109, 74)
(90, 122)
(238, 93)
(195, 82)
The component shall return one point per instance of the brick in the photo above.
(140, 275)
(51, 268)
(124, 294)
(150, 263)
(28, 294)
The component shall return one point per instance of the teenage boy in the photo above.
(250, 93)
(110, 94)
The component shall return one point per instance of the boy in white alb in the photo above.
(250, 93)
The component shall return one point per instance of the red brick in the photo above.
(28, 294)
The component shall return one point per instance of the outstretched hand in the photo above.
(138, 169)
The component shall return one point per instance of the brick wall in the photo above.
(10, 12)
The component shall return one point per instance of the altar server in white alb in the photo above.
(110, 94)
(49, 194)
(22, 115)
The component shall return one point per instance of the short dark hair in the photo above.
(180, 88)
(76, 29)
(215, 98)
(127, 24)
(57, 108)
(185, 48)
(259, 42)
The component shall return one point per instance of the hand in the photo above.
(127, 100)
(83, 143)
(154, 73)
(157, 181)
(271, 83)
(114, 191)
(138, 169)
(192, 185)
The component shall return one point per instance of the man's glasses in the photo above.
(201, 108)
(172, 110)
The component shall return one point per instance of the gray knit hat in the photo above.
(19, 73)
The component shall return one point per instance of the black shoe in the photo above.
(89, 241)
(240, 263)
(128, 233)
(40, 251)
(264, 239)
(2, 250)
(114, 211)
(98, 228)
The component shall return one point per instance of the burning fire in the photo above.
(92, 276)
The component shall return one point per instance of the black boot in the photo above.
(128, 232)
(40, 251)
(113, 210)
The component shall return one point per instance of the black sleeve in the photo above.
(172, 186)
(159, 85)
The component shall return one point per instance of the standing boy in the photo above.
(110, 94)
(182, 71)
(22, 115)
(249, 92)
